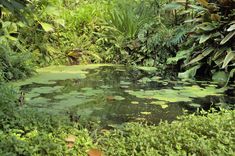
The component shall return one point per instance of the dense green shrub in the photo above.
(30, 132)
(14, 65)
(128, 32)
(8, 98)
(37, 133)
(14, 57)
(120, 28)
(57, 27)
(210, 134)
(210, 46)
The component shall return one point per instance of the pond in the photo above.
(110, 94)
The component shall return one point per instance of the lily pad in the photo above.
(119, 98)
(49, 74)
(45, 90)
(185, 94)
(124, 87)
(145, 80)
(163, 104)
(145, 113)
(125, 83)
(134, 102)
(105, 87)
(148, 69)
(195, 105)
(39, 101)
(155, 78)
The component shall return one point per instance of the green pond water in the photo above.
(116, 94)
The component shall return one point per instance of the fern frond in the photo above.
(178, 37)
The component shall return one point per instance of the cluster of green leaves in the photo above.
(190, 136)
(14, 6)
(121, 23)
(29, 132)
(136, 33)
(211, 43)
(34, 133)
(128, 32)
(57, 27)
(14, 57)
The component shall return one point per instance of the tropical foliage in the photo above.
(210, 41)
(28, 132)
(191, 39)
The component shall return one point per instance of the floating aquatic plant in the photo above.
(184, 93)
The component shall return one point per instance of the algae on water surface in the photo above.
(114, 94)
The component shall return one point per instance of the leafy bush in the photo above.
(14, 57)
(7, 100)
(210, 134)
(30, 132)
(122, 22)
(41, 142)
(57, 27)
(13, 65)
(211, 40)
(137, 33)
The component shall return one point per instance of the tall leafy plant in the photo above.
(14, 6)
(14, 57)
(58, 27)
(122, 23)
(213, 39)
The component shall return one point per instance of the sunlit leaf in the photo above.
(204, 38)
(70, 138)
(173, 6)
(52, 10)
(145, 113)
(179, 56)
(231, 74)
(60, 22)
(119, 98)
(231, 28)
(227, 38)
(11, 38)
(197, 8)
(134, 102)
(220, 77)
(190, 73)
(202, 55)
(218, 53)
(47, 27)
(206, 26)
(229, 57)
(195, 105)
